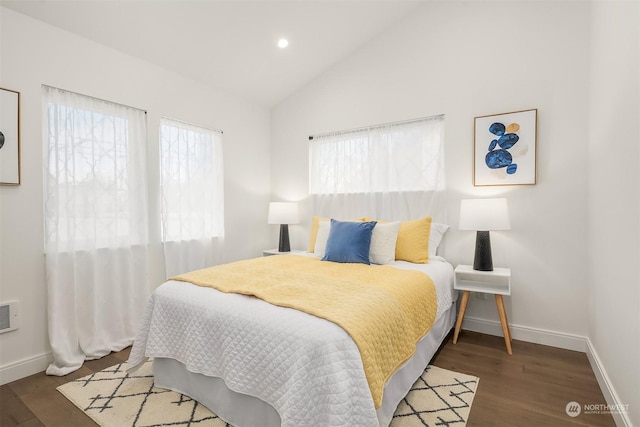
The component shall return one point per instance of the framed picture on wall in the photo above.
(9, 137)
(505, 147)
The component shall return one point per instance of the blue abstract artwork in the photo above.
(500, 157)
(9, 137)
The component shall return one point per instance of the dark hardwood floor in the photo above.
(530, 388)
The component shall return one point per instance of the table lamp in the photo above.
(283, 213)
(483, 216)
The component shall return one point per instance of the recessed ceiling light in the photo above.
(282, 43)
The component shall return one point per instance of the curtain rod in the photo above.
(191, 124)
(96, 98)
(374, 127)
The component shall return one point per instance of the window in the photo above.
(398, 157)
(95, 184)
(191, 177)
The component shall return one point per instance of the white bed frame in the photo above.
(241, 410)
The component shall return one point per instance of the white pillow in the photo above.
(321, 238)
(383, 243)
(435, 237)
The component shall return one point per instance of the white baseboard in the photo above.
(24, 368)
(525, 333)
(621, 418)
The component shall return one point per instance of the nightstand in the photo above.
(269, 252)
(496, 282)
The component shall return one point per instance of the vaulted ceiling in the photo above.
(228, 44)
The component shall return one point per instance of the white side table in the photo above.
(496, 282)
(269, 252)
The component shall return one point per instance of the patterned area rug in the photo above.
(112, 398)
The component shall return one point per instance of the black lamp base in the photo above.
(284, 246)
(482, 260)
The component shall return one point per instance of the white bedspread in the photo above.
(307, 368)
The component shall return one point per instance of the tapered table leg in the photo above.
(504, 322)
(463, 307)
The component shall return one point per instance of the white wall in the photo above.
(614, 201)
(466, 60)
(33, 53)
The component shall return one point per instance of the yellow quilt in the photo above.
(384, 309)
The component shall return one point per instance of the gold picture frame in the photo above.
(505, 149)
(9, 137)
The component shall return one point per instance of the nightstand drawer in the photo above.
(497, 281)
(270, 252)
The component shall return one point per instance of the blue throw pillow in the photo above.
(349, 242)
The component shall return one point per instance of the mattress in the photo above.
(301, 370)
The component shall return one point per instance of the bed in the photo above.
(254, 363)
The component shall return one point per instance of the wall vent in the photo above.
(9, 316)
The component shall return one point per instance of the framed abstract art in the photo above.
(9, 137)
(505, 147)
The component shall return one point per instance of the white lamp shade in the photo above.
(283, 213)
(484, 214)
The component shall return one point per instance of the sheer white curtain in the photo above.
(391, 172)
(96, 232)
(192, 193)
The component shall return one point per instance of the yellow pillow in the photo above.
(314, 232)
(413, 241)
